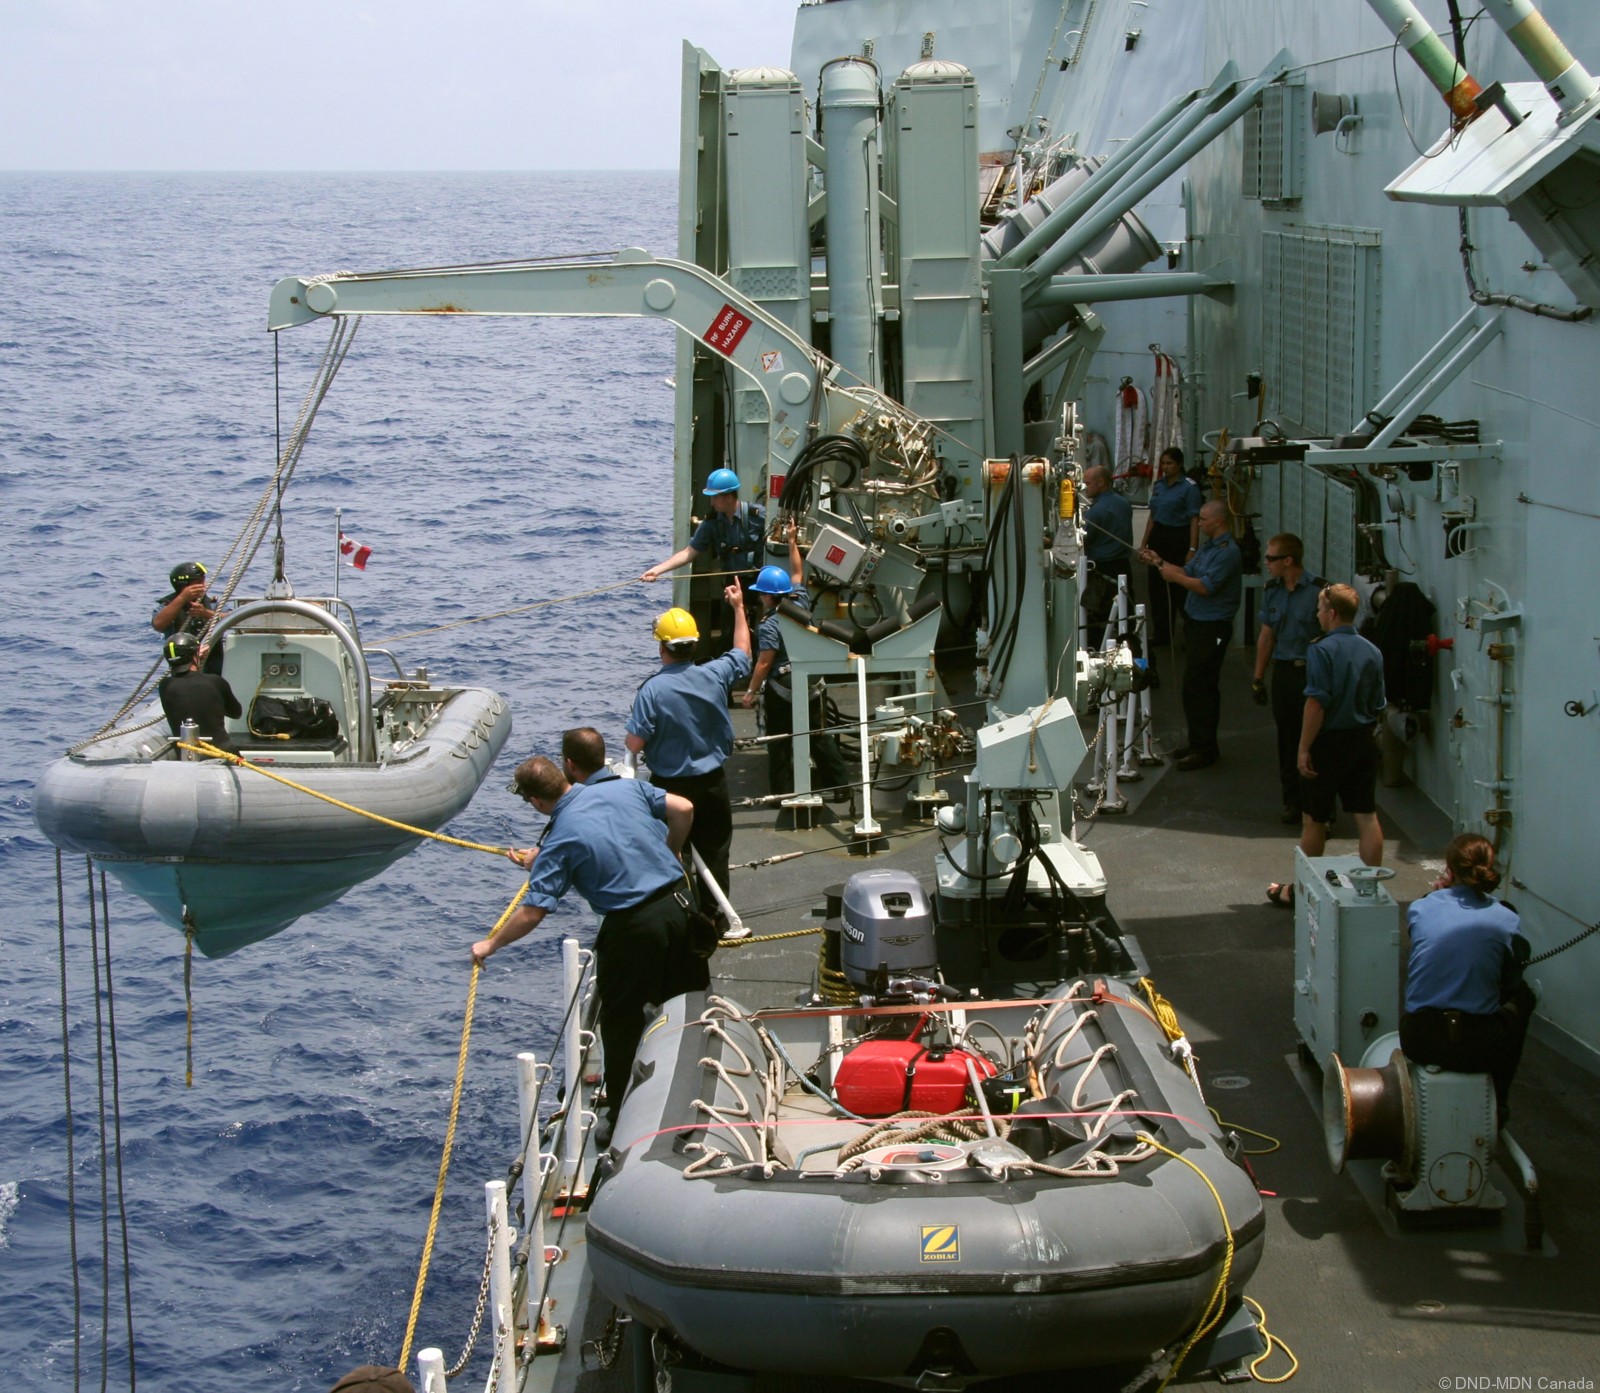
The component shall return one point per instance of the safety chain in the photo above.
(608, 1344)
(483, 1301)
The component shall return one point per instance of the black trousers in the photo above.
(712, 833)
(1468, 1044)
(642, 957)
(1207, 641)
(1288, 712)
(1166, 599)
(1099, 595)
(777, 715)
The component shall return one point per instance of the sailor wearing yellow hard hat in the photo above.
(680, 724)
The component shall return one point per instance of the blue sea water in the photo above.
(276, 1210)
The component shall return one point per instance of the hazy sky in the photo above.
(361, 84)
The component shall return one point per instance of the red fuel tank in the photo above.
(881, 1077)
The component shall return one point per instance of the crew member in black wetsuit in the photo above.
(187, 609)
(187, 694)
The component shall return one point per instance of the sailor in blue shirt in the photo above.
(1338, 756)
(734, 532)
(680, 723)
(1173, 534)
(770, 680)
(1288, 627)
(1466, 1006)
(616, 841)
(1212, 578)
(1108, 543)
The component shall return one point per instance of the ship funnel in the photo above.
(1456, 85)
(848, 129)
(1566, 79)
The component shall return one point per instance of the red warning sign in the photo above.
(726, 330)
(834, 555)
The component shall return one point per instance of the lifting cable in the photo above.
(542, 604)
(105, 1021)
(248, 541)
(450, 1136)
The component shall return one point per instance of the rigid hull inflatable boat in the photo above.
(1049, 1192)
(235, 856)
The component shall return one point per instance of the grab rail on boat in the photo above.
(366, 728)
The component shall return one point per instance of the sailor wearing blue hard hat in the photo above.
(770, 679)
(734, 533)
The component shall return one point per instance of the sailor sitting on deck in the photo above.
(617, 843)
(1467, 1007)
(187, 694)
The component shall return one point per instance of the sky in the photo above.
(361, 84)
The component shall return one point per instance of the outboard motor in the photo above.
(886, 929)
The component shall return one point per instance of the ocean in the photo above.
(276, 1210)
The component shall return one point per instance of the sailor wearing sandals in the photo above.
(616, 841)
(1338, 758)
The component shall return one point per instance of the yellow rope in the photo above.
(1213, 1311)
(205, 748)
(1166, 1017)
(450, 1136)
(1271, 1339)
(769, 938)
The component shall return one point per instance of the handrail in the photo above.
(366, 728)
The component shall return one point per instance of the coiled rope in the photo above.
(450, 1136)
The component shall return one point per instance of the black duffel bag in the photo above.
(293, 718)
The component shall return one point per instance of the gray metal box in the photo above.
(1346, 958)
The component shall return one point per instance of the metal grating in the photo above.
(1274, 135)
(1319, 327)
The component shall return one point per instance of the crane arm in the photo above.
(792, 376)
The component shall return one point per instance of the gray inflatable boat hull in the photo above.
(834, 1276)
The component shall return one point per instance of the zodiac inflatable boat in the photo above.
(234, 856)
(921, 1193)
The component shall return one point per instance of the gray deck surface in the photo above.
(1187, 867)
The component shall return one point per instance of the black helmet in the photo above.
(186, 573)
(181, 650)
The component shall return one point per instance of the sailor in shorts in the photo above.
(1338, 756)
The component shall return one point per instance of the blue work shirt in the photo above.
(681, 714)
(1345, 674)
(736, 542)
(769, 633)
(1108, 529)
(1460, 947)
(1219, 564)
(1292, 616)
(608, 841)
(1172, 505)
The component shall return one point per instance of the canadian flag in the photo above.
(353, 553)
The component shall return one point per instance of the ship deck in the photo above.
(1187, 865)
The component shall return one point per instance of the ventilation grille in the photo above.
(1319, 327)
(1274, 145)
